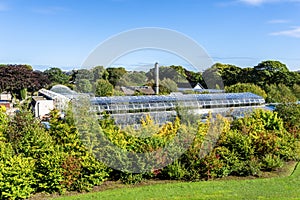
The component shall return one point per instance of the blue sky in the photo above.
(62, 33)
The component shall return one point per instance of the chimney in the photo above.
(156, 84)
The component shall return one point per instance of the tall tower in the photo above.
(156, 84)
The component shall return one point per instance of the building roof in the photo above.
(170, 98)
(131, 90)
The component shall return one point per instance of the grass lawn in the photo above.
(263, 188)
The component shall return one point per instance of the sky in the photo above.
(62, 33)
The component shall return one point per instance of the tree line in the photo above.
(269, 79)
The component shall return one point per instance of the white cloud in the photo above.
(260, 2)
(294, 32)
(278, 21)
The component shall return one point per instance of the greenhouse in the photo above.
(130, 109)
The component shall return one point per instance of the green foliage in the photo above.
(254, 143)
(23, 93)
(104, 88)
(169, 85)
(229, 73)
(174, 171)
(280, 94)
(27, 136)
(213, 78)
(129, 178)
(290, 113)
(286, 187)
(272, 66)
(296, 91)
(16, 177)
(33, 159)
(81, 171)
(133, 78)
(93, 173)
(84, 74)
(168, 73)
(270, 162)
(99, 73)
(246, 87)
(49, 172)
(84, 86)
(57, 76)
(3, 122)
(271, 72)
(115, 74)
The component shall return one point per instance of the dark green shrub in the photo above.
(27, 136)
(290, 114)
(131, 179)
(174, 171)
(251, 167)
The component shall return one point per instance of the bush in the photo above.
(3, 122)
(49, 172)
(271, 162)
(27, 136)
(131, 179)
(251, 167)
(16, 177)
(290, 114)
(280, 94)
(92, 173)
(174, 171)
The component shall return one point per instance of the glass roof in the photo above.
(170, 98)
(62, 89)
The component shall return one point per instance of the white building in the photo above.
(41, 106)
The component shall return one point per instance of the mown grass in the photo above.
(263, 188)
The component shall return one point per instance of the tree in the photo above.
(115, 74)
(104, 88)
(295, 78)
(296, 91)
(133, 78)
(38, 80)
(99, 73)
(230, 73)
(246, 87)
(85, 74)
(290, 113)
(271, 72)
(280, 94)
(57, 76)
(271, 66)
(168, 72)
(169, 85)
(213, 78)
(84, 85)
(185, 75)
(247, 75)
(15, 78)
